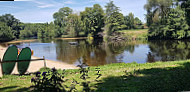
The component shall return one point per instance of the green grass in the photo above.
(120, 77)
(135, 33)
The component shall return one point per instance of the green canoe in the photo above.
(25, 54)
(10, 55)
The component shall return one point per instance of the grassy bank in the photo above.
(135, 33)
(120, 77)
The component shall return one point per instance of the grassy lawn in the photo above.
(120, 77)
(135, 33)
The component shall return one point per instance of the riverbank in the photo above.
(36, 65)
(136, 33)
(120, 77)
(126, 35)
(74, 38)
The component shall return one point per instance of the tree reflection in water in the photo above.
(93, 54)
(168, 50)
(97, 52)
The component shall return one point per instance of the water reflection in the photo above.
(97, 52)
(169, 50)
(93, 53)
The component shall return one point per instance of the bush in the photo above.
(50, 81)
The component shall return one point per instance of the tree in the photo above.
(186, 5)
(157, 11)
(60, 16)
(175, 28)
(29, 30)
(12, 22)
(130, 21)
(138, 23)
(5, 32)
(41, 31)
(74, 25)
(60, 20)
(113, 19)
(93, 19)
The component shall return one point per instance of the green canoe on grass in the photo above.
(25, 54)
(10, 55)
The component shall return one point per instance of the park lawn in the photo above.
(120, 77)
(136, 33)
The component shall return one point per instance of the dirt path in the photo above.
(36, 65)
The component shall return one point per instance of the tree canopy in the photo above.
(167, 20)
(89, 23)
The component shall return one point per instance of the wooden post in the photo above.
(1, 67)
(44, 62)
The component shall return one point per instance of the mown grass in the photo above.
(120, 77)
(135, 33)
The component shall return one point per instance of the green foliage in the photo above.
(166, 20)
(12, 22)
(30, 30)
(130, 21)
(74, 25)
(133, 22)
(113, 19)
(157, 11)
(61, 21)
(186, 5)
(138, 23)
(39, 30)
(122, 77)
(50, 81)
(49, 30)
(175, 28)
(5, 32)
(93, 19)
(60, 16)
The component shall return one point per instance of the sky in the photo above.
(41, 11)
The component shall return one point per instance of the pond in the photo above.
(97, 52)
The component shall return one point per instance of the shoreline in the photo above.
(37, 65)
(73, 38)
(18, 41)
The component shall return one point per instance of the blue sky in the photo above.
(40, 11)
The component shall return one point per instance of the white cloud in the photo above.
(37, 2)
(45, 6)
(69, 2)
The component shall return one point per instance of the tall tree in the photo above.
(12, 22)
(186, 5)
(175, 28)
(130, 21)
(93, 19)
(60, 16)
(157, 11)
(5, 32)
(138, 23)
(60, 19)
(74, 25)
(113, 18)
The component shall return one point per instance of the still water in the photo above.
(97, 52)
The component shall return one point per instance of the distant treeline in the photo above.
(87, 23)
(168, 19)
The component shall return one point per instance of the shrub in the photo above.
(50, 81)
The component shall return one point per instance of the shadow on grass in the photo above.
(147, 80)
(14, 89)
